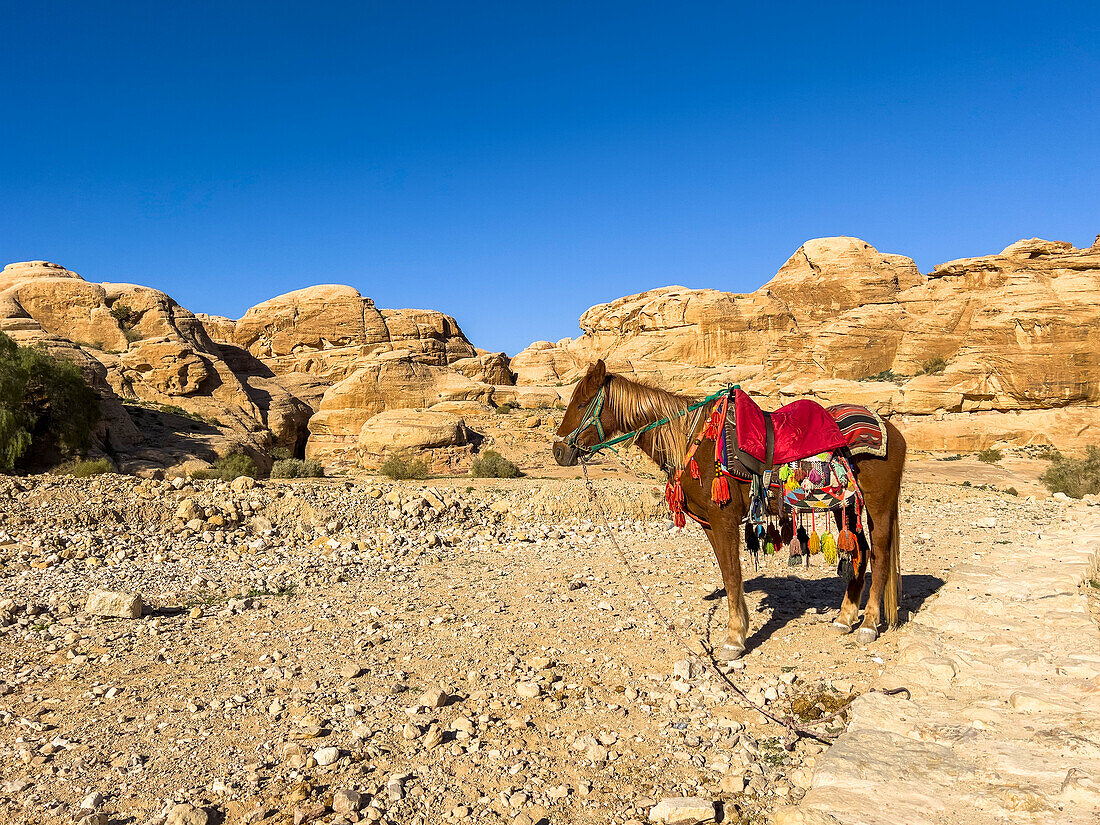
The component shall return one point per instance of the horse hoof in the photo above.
(866, 635)
(840, 629)
(727, 653)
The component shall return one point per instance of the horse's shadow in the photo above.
(790, 598)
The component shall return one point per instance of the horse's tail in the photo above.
(893, 575)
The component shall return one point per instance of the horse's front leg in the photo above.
(725, 539)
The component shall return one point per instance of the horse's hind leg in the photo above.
(881, 538)
(849, 608)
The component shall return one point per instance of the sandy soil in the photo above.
(297, 638)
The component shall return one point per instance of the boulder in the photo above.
(114, 605)
(399, 430)
(397, 383)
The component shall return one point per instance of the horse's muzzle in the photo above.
(565, 454)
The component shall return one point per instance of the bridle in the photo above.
(590, 418)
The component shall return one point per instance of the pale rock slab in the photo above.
(114, 605)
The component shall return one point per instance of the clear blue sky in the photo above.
(514, 163)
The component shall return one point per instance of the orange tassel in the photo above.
(846, 541)
(720, 489)
(674, 497)
(693, 468)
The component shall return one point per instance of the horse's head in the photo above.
(587, 421)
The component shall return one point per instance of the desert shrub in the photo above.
(173, 409)
(281, 453)
(400, 467)
(885, 375)
(493, 465)
(84, 469)
(933, 366)
(47, 410)
(297, 468)
(230, 466)
(504, 409)
(1076, 477)
(236, 464)
(990, 455)
(127, 319)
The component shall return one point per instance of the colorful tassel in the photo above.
(845, 570)
(772, 540)
(846, 542)
(752, 541)
(720, 489)
(693, 468)
(794, 556)
(828, 548)
(674, 497)
(814, 543)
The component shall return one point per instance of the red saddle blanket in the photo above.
(802, 429)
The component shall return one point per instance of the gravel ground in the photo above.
(345, 651)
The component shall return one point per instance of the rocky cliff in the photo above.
(1002, 349)
(304, 371)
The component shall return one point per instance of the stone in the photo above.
(733, 782)
(683, 811)
(114, 605)
(434, 697)
(186, 814)
(351, 671)
(345, 801)
(528, 690)
(433, 738)
(242, 484)
(326, 756)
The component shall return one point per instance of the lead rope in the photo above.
(789, 723)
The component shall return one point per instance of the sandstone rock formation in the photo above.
(1003, 349)
(395, 431)
(177, 387)
(999, 349)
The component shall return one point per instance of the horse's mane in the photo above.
(635, 404)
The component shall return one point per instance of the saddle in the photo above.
(793, 432)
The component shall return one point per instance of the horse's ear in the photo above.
(596, 374)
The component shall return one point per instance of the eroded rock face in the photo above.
(397, 383)
(315, 318)
(394, 431)
(180, 389)
(1014, 336)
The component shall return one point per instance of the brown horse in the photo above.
(626, 406)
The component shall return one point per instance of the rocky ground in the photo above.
(418, 652)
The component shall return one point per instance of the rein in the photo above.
(594, 410)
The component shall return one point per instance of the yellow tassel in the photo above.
(814, 543)
(828, 547)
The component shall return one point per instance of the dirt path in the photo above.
(297, 632)
(1004, 670)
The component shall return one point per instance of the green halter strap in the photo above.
(596, 406)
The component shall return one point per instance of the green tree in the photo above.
(15, 436)
(47, 410)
